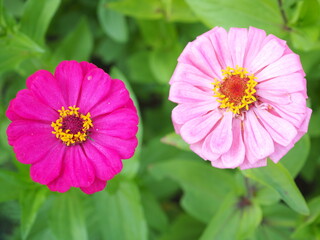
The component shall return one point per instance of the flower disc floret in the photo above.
(236, 91)
(72, 127)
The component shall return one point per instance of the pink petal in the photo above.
(10, 113)
(286, 65)
(259, 163)
(69, 78)
(191, 56)
(203, 48)
(186, 93)
(190, 74)
(268, 54)
(279, 129)
(218, 164)
(256, 139)
(96, 186)
(32, 148)
(280, 151)
(121, 123)
(285, 84)
(125, 147)
(118, 97)
(235, 156)
(221, 139)
(237, 39)
(106, 162)
(219, 40)
(95, 87)
(49, 167)
(187, 111)
(274, 97)
(256, 38)
(28, 107)
(198, 128)
(44, 87)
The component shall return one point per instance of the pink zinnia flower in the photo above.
(241, 97)
(74, 127)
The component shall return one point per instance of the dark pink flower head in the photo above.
(73, 127)
(241, 97)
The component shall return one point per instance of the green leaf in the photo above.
(309, 227)
(113, 23)
(295, 159)
(119, 211)
(75, 46)
(178, 11)
(163, 62)
(174, 139)
(37, 17)
(144, 9)
(16, 47)
(10, 185)
(180, 229)
(67, 220)
(277, 177)
(264, 14)
(30, 202)
(131, 166)
(277, 224)
(314, 129)
(155, 216)
(203, 185)
(233, 221)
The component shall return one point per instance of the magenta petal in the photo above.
(18, 129)
(28, 107)
(91, 94)
(77, 167)
(30, 149)
(107, 162)
(96, 186)
(49, 167)
(60, 184)
(121, 123)
(44, 86)
(125, 147)
(118, 97)
(86, 67)
(69, 78)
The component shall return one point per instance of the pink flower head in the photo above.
(241, 97)
(73, 127)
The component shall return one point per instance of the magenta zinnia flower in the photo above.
(241, 97)
(74, 127)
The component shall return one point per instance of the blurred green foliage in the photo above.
(165, 192)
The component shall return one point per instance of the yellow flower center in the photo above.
(72, 127)
(236, 91)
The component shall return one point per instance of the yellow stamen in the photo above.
(236, 91)
(66, 135)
